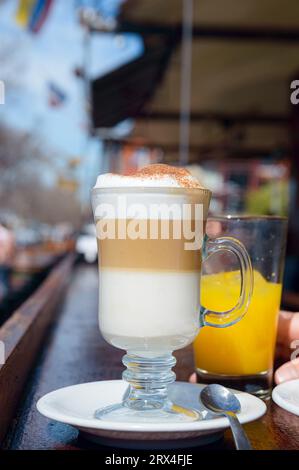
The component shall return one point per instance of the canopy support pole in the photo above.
(186, 80)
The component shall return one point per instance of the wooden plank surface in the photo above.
(22, 334)
(74, 352)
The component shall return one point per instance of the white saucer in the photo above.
(286, 395)
(75, 405)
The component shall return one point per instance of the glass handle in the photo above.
(229, 317)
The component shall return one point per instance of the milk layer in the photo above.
(149, 311)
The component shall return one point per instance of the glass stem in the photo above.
(148, 380)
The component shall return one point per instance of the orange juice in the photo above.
(247, 347)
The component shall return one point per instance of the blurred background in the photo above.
(92, 86)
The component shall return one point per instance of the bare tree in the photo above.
(51, 205)
(22, 190)
(18, 151)
(23, 159)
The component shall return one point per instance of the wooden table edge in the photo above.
(21, 336)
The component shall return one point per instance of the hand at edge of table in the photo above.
(287, 336)
(287, 343)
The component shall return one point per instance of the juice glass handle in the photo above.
(229, 317)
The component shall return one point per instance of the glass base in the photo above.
(170, 413)
(146, 397)
(259, 385)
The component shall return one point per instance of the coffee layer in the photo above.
(148, 254)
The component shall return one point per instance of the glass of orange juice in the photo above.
(242, 356)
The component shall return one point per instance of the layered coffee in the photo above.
(150, 227)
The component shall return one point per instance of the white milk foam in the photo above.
(149, 312)
(112, 180)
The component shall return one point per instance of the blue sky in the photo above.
(52, 55)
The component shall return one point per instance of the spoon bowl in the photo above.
(220, 400)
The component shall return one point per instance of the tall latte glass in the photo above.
(151, 244)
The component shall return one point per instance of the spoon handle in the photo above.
(240, 438)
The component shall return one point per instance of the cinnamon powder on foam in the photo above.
(158, 171)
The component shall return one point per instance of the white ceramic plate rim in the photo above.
(282, 402)
(257, 409)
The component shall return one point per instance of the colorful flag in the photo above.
(32, 14)
(24, 12)
(56, 95)
(39, 14)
